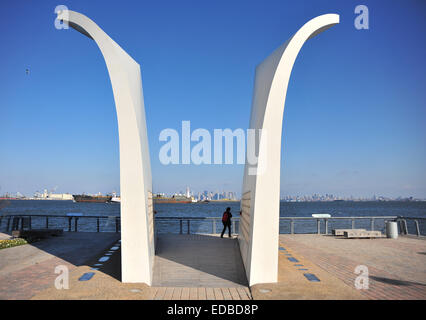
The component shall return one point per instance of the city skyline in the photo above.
(360, 132)
(219, 195)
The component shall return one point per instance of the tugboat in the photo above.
(115, 198)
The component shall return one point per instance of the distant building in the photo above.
(53, 196)
(60, 196)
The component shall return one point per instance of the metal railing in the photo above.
(319, 226)
(184, 224)
(405, 228)
(368, 222)
(69, 223)
(212, 225)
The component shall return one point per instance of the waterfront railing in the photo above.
(212, 225)
(412, 225)
(67, 223)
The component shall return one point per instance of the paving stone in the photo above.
(396, 267)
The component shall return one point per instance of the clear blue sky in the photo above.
(354, 121)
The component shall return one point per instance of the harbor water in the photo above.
(110, 211)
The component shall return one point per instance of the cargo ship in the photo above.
(172, 199)
(87, 198)
(8, 197)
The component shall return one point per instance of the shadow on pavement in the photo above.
(395, 281)
(182, 259)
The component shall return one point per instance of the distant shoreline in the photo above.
(303, 201)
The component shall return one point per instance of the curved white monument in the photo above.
(137, 227)
(259, 223)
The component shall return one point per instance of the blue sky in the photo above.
(354, 116)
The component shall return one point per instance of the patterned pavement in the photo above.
(396, 268)
(29, 269)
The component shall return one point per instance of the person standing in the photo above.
(226, 220)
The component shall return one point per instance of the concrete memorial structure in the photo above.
(259, 223)
(137, 225)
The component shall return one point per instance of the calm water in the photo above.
(215, 209)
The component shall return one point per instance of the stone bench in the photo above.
(351, 234)
(341, 232)
(34, 234)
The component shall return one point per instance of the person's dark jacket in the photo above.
(229, 216)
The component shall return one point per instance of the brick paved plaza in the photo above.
(397, 268)
(197, 267)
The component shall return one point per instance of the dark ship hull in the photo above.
(174, 199)
(171, 201)
(86, 198)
